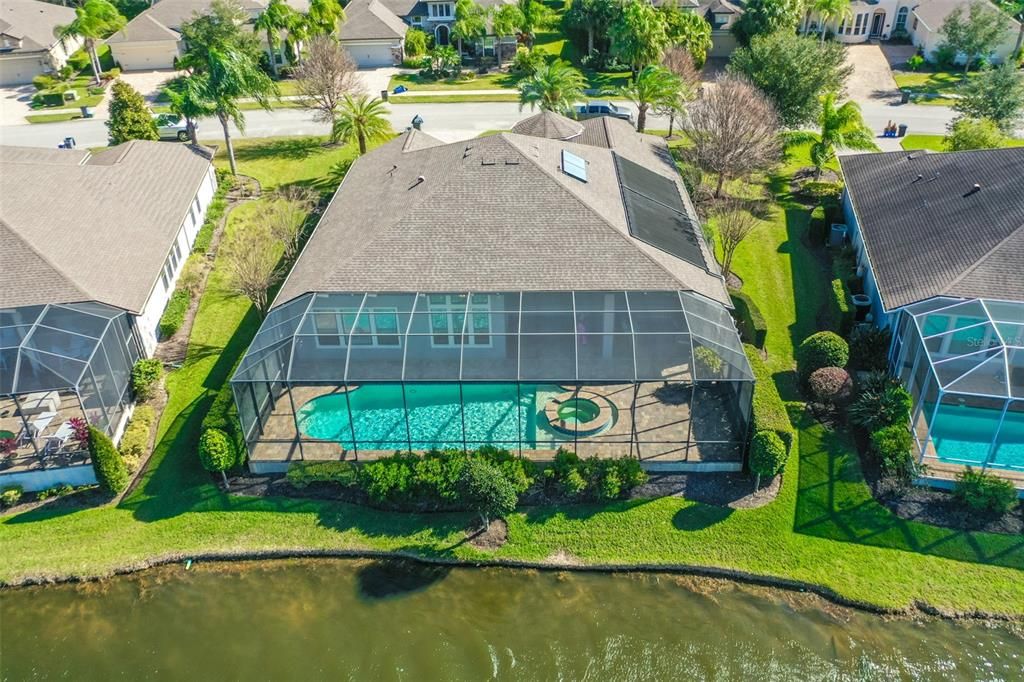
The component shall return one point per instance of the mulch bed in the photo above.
(494, 537)
(83, 499)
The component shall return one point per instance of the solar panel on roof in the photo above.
(656, 213)
(574, 165)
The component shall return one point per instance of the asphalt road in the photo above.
(448, 122)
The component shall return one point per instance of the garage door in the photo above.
(145, 57)
(18, 71)
(371, 55)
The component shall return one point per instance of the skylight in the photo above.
(574, 165)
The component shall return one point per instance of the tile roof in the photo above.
(33, 22)
(102, 227)
(490, 214)
(371, 20)
(929, 232)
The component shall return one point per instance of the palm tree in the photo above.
(94, 20)
(1015, 8)
(554, 87)
(229, 75)
(506, 21)
(277, 17)
(832, 10)
(364, 119)
(841, 128)
(187, 101)
(470, 22)
(535, 15)
(324, 16)
(654, 86)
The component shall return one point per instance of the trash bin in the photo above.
(904, 96)
(862, 306)
(86, 112)
(417, 122)
(837, 236)
(400, 89)
(902, 130)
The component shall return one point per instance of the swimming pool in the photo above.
(500, 414)
(963, 435)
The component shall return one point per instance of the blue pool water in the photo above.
(492, 415)
(963, 435)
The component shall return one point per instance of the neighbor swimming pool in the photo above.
(493, 413)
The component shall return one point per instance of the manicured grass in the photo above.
(931, 87)
(274, 104)
(279, 161)
(449, 99)
(491, 81)
(52, 118)
(823, 528)
(936, 143)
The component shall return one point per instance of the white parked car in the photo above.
(603, 108)
(172, 127)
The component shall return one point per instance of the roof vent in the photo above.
(419, 181)
(973, 190)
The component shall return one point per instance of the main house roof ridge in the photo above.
(984, 259)
(27, 244)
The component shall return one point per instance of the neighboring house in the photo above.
(722, 15)
(544, 288)
(28, 47)
(940, 246)
(374, 30)
(89, 266)
(920, 21)
(152, 40)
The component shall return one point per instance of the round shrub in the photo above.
(146, 376)
(216, 452)
(891, 445)
(486, 491)
(111, 472)
(824, 349)
(10, 496)
(984, 493)
(830, 385)
(767, 455)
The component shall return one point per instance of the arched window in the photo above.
(901, 18)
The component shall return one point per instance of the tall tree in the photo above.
(1015, 8)
(688, 29)
(654, 86)
(186, 100)
(593, 16)
(470, 22)
(130, 118)
(733, 130)
(762, 17)
(965, 133)
(230, 75)
(794, 71)
(679, 62)
(977, 34)
(94, 20)
(639, 35)
(995, 94)
(363, 119)
(324, 78)
(324, 17)
(505, 21)
(553, 87)
(842, 127)
(251, 263)
(734, 223)
(535, 16)
(219, 27)
(832, 11)
(277, 17)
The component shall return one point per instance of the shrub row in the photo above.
(146, 376)
(768, 412)
(174, 314)
(749, 320)
(594, 478)
(303, 474)
(214, 212)
(111, 472)
(984, 493)
(135, 441)
(223, 416)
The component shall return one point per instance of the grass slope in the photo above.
(824, 527)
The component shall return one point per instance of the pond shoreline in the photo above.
(553, 564)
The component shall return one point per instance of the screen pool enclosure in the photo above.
(963, 363)
(659, 375)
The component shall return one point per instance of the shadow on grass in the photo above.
(700, 516)
(293, 148)
(580, 512)
(834, 502)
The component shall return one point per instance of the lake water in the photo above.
(363, 620)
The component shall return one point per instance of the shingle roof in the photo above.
(550, 125)
(928, 232)
(490, 214)
(103, 226)
(371, 20)
(169, 15)
(33, 22)
(934, 12)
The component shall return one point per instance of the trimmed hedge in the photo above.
(223, 416)
(751, 323)
(843, 307)
(984, 493)
(146, 375)
(769, 412)
(768, 454)
(216, 452)
(594, 478)
(174, 314)
(111, 472)
(214, 212)
(302, 474)
(891, 445)
(135, 440)
(822, 349)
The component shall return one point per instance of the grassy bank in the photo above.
(936, 143)
(824, 528)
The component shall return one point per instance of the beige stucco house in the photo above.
(28, 47)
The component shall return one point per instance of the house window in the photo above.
(376, 327)
(440, 10)
(448, 317)
(857, 28)
(417, 20)
(901, 18)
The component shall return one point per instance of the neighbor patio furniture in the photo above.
(39, 424)
(56, 440)
(39, 403)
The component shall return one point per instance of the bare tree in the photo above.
(251, 259)
(734, 130)
(286, 215)
(735, 222)
(324, 78)
(678, 61)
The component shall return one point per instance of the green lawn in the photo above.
(491, 81)
(931, 86)
(824, 528)
(453, 98)
(52, 118)
(936, 143)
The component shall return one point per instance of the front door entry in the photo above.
(876, 25)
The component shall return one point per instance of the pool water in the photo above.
(963, 435)
(492, 415)
(578, 410)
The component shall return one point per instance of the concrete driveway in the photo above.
(372, 81)
(872, 79)
(149, 83)
(14, 103)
